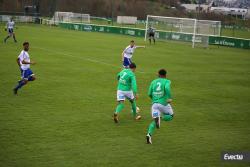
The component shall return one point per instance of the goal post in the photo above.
(182, 29)
(71, 17)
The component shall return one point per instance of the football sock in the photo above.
(151, 127)
(20, 84)
(119, 108)
(133, 106)
(150, 41)
(14, 37)
(154, 41)
(6, 38)
(167, 117)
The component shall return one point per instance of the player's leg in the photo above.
(120, 105)
(27, 75)
(9, 35)
(14, 37)
(154, 38)
(151, 128)
(136, 115)
(32, 78)
(130, 96)
(20, 84)
(149, 39)
(168, 113)
(5, 39)
(118, 109)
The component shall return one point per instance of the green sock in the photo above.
(167, 117)
(119, 108)
(151, 128)
(133, 105)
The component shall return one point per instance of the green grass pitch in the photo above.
(64, 118)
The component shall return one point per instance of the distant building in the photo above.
(239, 12)
(227, 9)
(196, 7)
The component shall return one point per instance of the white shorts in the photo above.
(157, 109)
(122, 95)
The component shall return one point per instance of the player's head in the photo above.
(132, 43)
(162, 73)
(132, 66)
(26, 46)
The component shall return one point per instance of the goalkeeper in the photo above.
(151, 34)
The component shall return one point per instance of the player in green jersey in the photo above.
(159, 92)
(127, 89)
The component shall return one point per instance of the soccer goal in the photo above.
(71, 17)
(183, 29)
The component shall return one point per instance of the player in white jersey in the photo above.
(128, 53)
(24, 63)
(10, 28)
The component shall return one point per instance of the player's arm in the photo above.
(150, 90)
(123, 54)
(134, 86)
(118, 76)
(140, 46)
(168, 92)
(18, 61)
(25, 62)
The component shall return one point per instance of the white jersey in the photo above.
(24, 56)
(128, 52)
(10, 24)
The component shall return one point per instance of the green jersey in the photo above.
(159, 90)
(127, 81)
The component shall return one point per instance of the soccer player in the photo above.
(24, 63)
(10, 28)
(151, 34)
(128, 53)
(127, 89)
(159, 92)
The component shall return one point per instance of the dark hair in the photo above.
(25, 43)
(132, 65)
(162, 72)
(132, 41)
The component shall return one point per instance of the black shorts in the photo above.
(10, 30)
(151, 34)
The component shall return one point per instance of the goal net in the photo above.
(183, 29)
(71, 17)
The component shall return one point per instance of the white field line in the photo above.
(138, 71)
(83, 58)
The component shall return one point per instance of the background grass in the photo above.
(64, 118)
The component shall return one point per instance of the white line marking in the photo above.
(142, 72)
(87, 59)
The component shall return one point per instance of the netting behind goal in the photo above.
(20, 19)
(71, 17)
(183, 29)
(208, 27)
